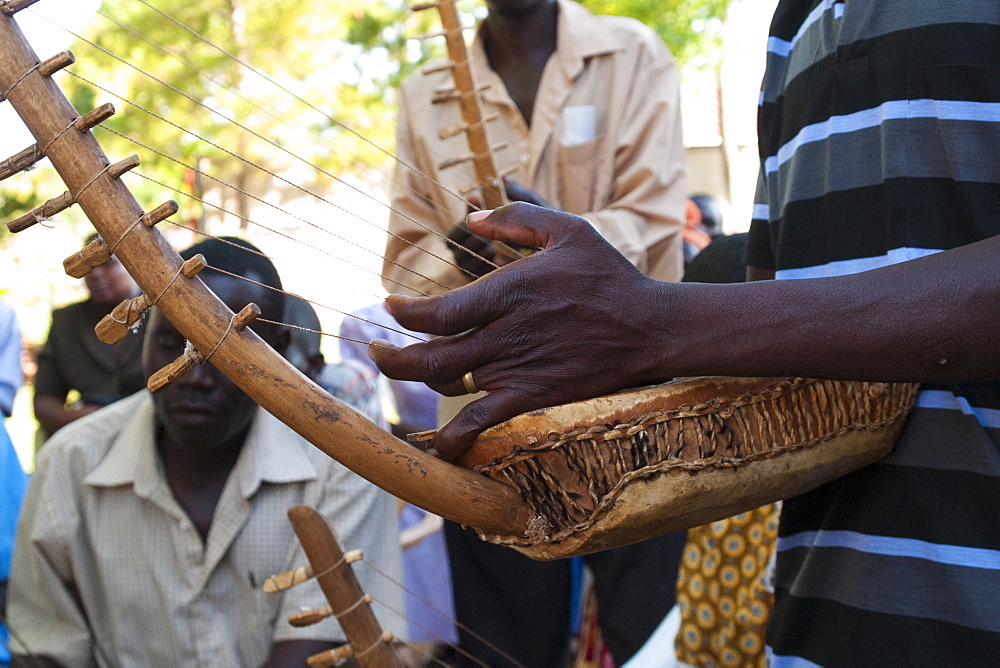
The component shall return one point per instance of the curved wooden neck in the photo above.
(333, 427)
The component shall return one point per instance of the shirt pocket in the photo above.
(578, 173)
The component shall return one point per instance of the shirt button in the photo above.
(525, 157)
(185, 525)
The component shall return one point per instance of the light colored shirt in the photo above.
(109, 570)
(604, 142)
(10, 357)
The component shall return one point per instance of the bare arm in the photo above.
(52, 414)
(577, 321)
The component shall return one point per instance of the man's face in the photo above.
(202, 407)
(515, 8)
(109, 284)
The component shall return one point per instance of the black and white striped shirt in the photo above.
(880, 142)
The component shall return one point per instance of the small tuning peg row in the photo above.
(92, 255)
(310, 617)
(421, 6)
(40, 213)
(13, 6)
(499, 146)
(507, 171)
(353, 555)
(94, 117)
(287, 579)
(20, 162)
(330, 657)
(56, 63)
(451, 162)
(123, 319)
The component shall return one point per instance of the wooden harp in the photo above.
(699, 449)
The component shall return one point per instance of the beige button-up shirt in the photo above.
(604, 143)
(108, 570)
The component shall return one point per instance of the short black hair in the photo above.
(240, 257)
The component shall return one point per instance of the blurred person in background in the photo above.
(13, 481)
(78, 373)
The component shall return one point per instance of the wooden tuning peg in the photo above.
(123, 319)
(160, 213)
(20, 162)
(438, 67)
(451, 162)
(119, 168)
(330, 657)
(56, 63)
(310, 617)
(287, 579)
(180, 366)
(13, 6)
(94, 117)
(39, 213)
(442, 96)
(247, 315)
(450, 131)
(192, 266)
(421, 6)
(92, 255)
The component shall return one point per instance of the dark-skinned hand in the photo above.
(529, 330)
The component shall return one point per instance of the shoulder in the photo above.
(623, 33)
(80, 447)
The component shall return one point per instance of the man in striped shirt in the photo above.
(879, 127)
(879, 137)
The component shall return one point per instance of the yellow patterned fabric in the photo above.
(723, 590)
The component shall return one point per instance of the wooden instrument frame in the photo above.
(333, 427)
(499, 511)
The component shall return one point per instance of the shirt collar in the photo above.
(579, 35)
(272, 453)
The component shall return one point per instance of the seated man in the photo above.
(150, 526)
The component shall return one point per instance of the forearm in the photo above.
(52, 414)
(933, 319)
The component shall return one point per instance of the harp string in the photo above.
(284, 89)
(263, 202)
(281, 149)
(315, 303)
(350, 158)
